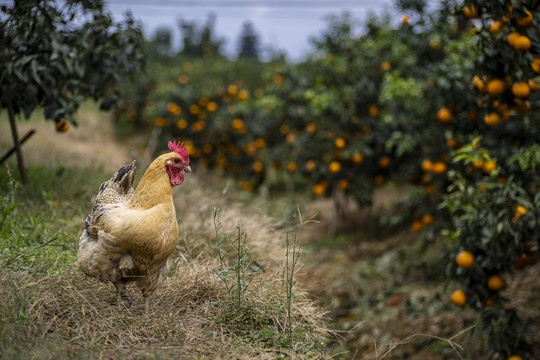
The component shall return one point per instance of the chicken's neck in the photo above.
(153, 189)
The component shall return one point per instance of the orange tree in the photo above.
(50, 60)
(391, 103)
(493, 198)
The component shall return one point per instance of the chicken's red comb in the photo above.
(180, 149)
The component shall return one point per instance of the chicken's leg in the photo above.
(121, 290)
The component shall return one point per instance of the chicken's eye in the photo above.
(176, 161)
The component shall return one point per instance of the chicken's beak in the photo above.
(187, 168)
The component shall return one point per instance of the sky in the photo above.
(282, 24)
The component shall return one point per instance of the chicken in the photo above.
(129, 233)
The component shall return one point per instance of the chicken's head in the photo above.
(178, 163)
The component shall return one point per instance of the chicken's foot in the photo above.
(122, 290)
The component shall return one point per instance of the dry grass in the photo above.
(62, 314)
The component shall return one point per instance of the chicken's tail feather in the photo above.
(123, 178)
(117, 189)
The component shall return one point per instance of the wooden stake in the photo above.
(21, 142)
(16, 143)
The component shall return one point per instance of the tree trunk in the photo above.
(16, 143)
(332, 228)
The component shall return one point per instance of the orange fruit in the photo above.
(444, 115)
(489, 302)
(405, 20)
(373, 111)
(277, 79)
(159, 122)
(495, 27)
(379, 179)
(452, 143)
(174, 109)
(495, 283)
(427, 219)
(334, 167)
(520, 210)
(525, 21)
(61, 126)
(182, 124)
(478, 164)
(465, 259)
(258, 166)
(458, 298)
(340, 143)
(385, 66)
(211, 106)
(439, 167)
(194, 109)
(495, 87)
(478, 83)
(232, 89)
(521, 89)
(292, 166)
(311, 127)
(384, 161)
(522, 43)
(246, 185)
(182, 79)
(471, 13)
(492, 119)
(417, 226)
(509, 14)
(434, 45)
(343, 184)
(243, 94)
(427, 165)
(535, 65)
(489, 166)
(320, 188)
(533, 85)
(357, 158)
(311, 165)
(515, 357)
(512, 37)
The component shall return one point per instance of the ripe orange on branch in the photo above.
(495, 87)
(334, 167)
(444, 115)
(521, 89)
(533, 85)
(458, 298)
(522, 43)
(470, 12)
(427, 165)
(492, 119)
(512, 37)
(417, 226)
(495, 27)
(495, 283)
(405, 20)
(465, 259)
(439, 167)
(526, 20)
(62, 126)
(478, 83)
(340, 143)
(384, 162)
(427, 219)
